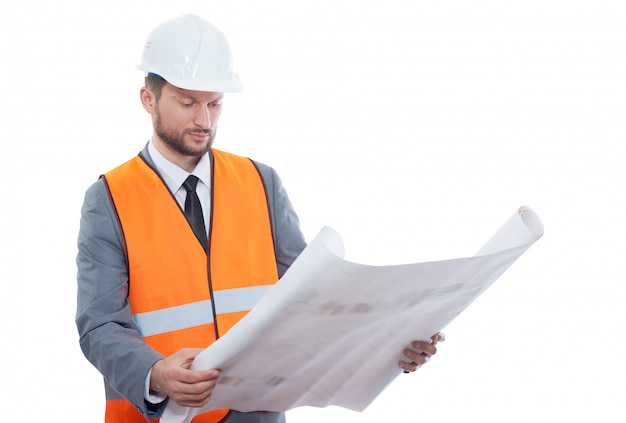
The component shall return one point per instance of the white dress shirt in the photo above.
(174, 176)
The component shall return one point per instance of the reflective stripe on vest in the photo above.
(173, 285)
(199, 313)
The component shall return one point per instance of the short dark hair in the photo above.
(155, 84)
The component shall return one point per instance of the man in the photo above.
(177, 244)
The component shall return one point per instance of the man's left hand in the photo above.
(420, 353)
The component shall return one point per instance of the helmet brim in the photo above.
(232, 86)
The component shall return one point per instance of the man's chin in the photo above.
(195, 148)
(194, 152)
(197, 145)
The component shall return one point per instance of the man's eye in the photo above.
(187, 104)
(215, 105)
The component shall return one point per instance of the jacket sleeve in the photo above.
(288, 239)
(108, 336)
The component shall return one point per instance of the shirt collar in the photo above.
(173, 175)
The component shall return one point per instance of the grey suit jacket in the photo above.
(108, 337)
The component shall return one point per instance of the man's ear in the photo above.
(148, 100)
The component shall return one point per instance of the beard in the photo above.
(176, 140)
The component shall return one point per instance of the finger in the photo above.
(416, 357)
(438, 337)
(193, 395)
(186, 400)
(197, 376)
(186, 356)
(425, 348)
(409, 367)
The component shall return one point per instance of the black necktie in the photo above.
(193, 210)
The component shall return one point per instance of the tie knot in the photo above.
(190, 183)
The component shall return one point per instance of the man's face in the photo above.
(186, 121)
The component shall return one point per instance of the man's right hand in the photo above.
(188, 388)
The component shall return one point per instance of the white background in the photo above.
(414, 128)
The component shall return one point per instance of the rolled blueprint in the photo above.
(522, 227)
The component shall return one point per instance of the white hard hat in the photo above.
(190, 53)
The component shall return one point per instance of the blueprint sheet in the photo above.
(331, 332)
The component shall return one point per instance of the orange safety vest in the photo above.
(178, 298)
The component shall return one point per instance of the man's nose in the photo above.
(203, 117)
